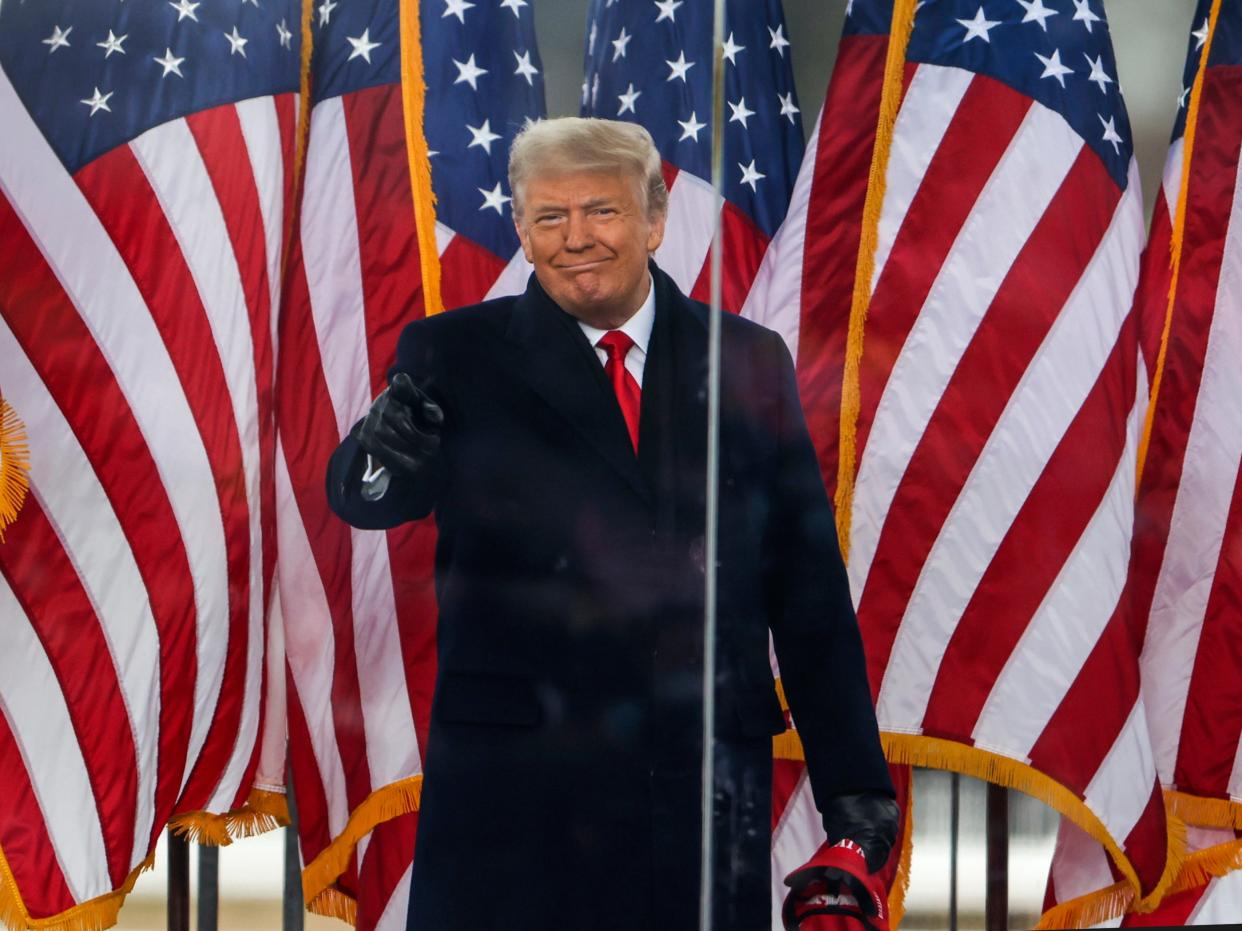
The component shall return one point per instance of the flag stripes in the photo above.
(145, 376)
(1189, 584)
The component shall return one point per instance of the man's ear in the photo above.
(523, 238)
(655, 235)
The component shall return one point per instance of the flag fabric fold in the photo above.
(144, 182)
(1185, 581)
(404, 211)
(990, 417)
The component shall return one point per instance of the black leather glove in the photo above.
(402, 428)
(868, 819)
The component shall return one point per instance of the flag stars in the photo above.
(591, 37)
(730, 49)
(750, 175)
(185, 8)
(528, 71)
(170, 63)
(690, 128)
(112, 44)
(456, 8)
(679, 67)
(237, 45)
(482, 136)
(363, 46)
(1036, 12)
(284, 35)
(1201, 35)
(469, 72)
(325, 11)
(668, 10)
(515, 6)
(58, 39)
(1111, 134)
(979, 28)
(1183, 97)
(1053, 67)
(98, 101)
(495, 199)
(779, 42)
(1083, 14)
(740, 113)
(627, 100)
(787, 107)
(1098, 75)
(620, 44)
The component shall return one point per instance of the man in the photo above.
(560, 439)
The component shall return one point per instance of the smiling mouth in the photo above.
(581, 265)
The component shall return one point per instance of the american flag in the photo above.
(145, 173)
(803, 291)
(359, 605)
(651, 63)
(999, 401)
(1186, 571)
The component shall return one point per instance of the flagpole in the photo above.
(710, 543)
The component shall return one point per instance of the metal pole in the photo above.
(955, 803)
(178, 883)
(997, 908)
(292, 910)
(208, 906)
(708, 784)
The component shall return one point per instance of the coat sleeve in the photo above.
(407, 498)
(811, 614)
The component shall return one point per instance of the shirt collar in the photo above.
(638, 327)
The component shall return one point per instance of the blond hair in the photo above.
(572, 144)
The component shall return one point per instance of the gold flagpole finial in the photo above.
(14, 466)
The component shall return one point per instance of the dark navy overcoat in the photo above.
(562, 769)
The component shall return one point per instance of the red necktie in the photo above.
(629, 396)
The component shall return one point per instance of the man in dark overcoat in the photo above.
(565, 466)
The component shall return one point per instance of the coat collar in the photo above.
(556, 360)
(559, 364)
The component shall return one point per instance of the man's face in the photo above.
(588, 236)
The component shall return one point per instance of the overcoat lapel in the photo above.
(673, 422)
(555, 359)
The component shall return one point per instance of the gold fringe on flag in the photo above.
(14, 466)
(392, 801)
(93, 915)
(1205, 812)
(333, 903)
(1198, 869)
(1091, 909)
(935, 753)
(1179, 231)
(414, 96)
(851, 400)
(262, 811)
(901, 881)
(1203, 866)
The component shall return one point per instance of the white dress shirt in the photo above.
(637, 328)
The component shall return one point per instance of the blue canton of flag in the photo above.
(867, 17)
(484, 80)
(95, 75)
(650, 62)
(1046, 49)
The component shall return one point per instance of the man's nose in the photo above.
(578, 233)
